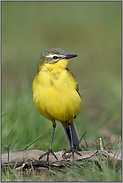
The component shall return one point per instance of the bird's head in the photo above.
(54, 57)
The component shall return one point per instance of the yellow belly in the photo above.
(55, 96)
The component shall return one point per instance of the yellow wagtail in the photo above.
(56, 95)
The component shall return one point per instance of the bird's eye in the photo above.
(55, 57)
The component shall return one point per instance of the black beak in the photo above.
(70, 56)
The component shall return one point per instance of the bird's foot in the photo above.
(73, 151)
(48, 153)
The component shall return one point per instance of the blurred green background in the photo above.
(92, 30)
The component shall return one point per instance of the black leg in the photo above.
(72, 146)
(50, 149)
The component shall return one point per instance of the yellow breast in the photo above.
(55, 95)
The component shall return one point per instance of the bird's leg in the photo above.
(72, 146)
(50, 148)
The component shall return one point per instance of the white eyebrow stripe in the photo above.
(51, 55)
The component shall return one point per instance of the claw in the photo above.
(73, 151)
(48, 153)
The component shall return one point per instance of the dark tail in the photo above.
(74, 135)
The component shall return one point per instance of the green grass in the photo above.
(22, 123)
(86, 172)
(92, 30)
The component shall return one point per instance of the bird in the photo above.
(56, 95)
